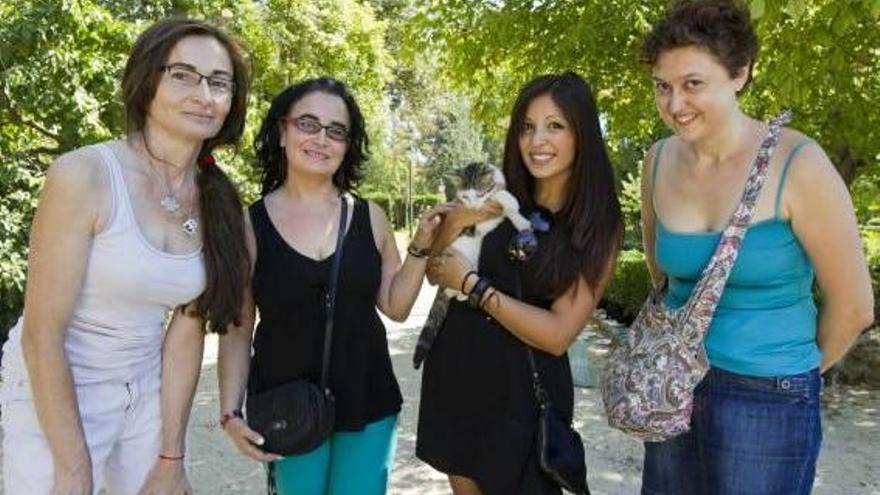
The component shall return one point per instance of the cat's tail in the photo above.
(429, 332)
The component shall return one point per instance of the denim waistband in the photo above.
(806, 381)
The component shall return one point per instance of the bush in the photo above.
(19, 185)
(628, 289)
(395, 207)
(871, 239)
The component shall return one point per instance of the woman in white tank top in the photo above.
(98, 381)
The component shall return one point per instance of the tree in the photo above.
(818, 57)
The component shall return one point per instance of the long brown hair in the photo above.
(589, 227)
(222, 221)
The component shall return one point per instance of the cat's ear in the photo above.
(453, 180)
(451, 184)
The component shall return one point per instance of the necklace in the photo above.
(171, 204)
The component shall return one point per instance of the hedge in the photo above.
(628, 289)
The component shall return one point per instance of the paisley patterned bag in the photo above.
(649, 379)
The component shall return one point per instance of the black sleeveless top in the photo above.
(478, 413)
(288, 289)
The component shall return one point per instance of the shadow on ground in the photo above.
(847, 465)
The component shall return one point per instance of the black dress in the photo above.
(478, 413)
(289, 290)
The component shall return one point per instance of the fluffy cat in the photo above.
(475, 185)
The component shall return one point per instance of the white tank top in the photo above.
(130, 286)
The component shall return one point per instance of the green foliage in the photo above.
(630, 195)
(395, 207)
(19, 183)
(628, 289)
(429, 130)
(872, 253)
(818, 57)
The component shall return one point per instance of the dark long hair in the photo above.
(588, 228)
(222, 220)
(267, 144)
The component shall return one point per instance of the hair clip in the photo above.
(541, 221)
(206, 160)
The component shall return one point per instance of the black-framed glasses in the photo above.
(310, 124)
(186, 77)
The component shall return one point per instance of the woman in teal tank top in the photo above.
(756, 426)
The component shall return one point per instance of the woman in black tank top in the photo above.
(311, 148)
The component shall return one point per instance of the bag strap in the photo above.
(537, 386)
(707, 292)
(330, 295)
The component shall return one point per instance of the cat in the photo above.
(474, 185)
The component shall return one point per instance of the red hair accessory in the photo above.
(206, 160)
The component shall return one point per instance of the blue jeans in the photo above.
(749, 435)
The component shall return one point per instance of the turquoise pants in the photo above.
(348, 463)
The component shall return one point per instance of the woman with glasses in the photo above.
(136, 247)
(478, 415)
(311, 148)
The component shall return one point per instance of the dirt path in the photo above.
(848, 464)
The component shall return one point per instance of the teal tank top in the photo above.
(765, 323)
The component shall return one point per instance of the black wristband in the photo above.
(464, 280)
(417, 251)
(477, 293)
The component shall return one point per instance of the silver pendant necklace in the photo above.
(171, 205)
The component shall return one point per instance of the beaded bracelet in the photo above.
(227, 417)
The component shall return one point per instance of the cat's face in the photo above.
(476, 182)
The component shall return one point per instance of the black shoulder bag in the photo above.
(297, 417)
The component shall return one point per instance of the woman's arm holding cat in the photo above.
(550, 330)
(401, 281)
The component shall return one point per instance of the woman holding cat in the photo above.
(478, 414)
(311, 148)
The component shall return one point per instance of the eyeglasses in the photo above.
(187, 77)
(311, 125)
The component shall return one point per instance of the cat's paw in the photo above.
(523, 245)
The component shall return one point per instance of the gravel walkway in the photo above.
(847, 465)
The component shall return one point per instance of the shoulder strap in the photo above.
(330, 296)
(707, 292)
(784, 173)
(656, 165)
(118, 190)
(259, 218)
(537, 386)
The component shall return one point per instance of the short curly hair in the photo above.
(721, 27)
